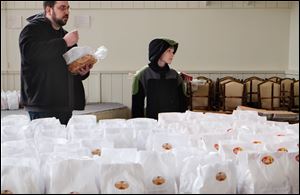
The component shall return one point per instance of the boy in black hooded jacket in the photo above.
(161, 85)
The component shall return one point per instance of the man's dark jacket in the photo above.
(46, 83)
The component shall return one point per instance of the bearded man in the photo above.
(48, 89)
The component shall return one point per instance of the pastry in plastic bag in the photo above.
(78, 57)
(81, 62)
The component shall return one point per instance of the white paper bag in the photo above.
(122, 179)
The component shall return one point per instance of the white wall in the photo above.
(209, 39)
(239, 38)
(293, 67)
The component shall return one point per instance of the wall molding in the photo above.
(115, 86)
(292, 74)
(26, 5)
(187, 71)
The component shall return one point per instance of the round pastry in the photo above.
(237, 150)
(282, 150)
(221, 176)
(96, 151)
(121, 185)
(159, 180)
(256, 142)
(167, 146)
(267, 160)
(81, 62)
(6, 192)
(216, 146)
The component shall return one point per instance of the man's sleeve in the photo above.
(34, 49)
(138, 98)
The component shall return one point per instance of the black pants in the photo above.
(63, 117)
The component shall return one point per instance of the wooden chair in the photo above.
(275, 79)
(294, 103)
(232, 95)
(269, 95)
(251, 92)
(201, 93)
(285, 92)
(217, 90)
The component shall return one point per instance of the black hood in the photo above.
(37, 18)
(158, 46)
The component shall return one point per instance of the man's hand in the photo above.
(71, 38)
(84, 70)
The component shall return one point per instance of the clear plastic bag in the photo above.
(79, 57)
(78, 52)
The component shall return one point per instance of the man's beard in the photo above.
(59, 22)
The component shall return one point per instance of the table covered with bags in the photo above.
(187, 152)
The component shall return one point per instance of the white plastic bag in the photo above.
(4, 105)
(72, 176)
(189, 171)
(216, 178)
(21, 176)
(262, 173)
(78, 52)
(292, 170)
(122, 179)
(12, 100)
(159, 172)
(166, 142)
(118, 155)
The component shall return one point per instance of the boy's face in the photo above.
(167, 56)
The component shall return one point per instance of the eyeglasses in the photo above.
(63, 8)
